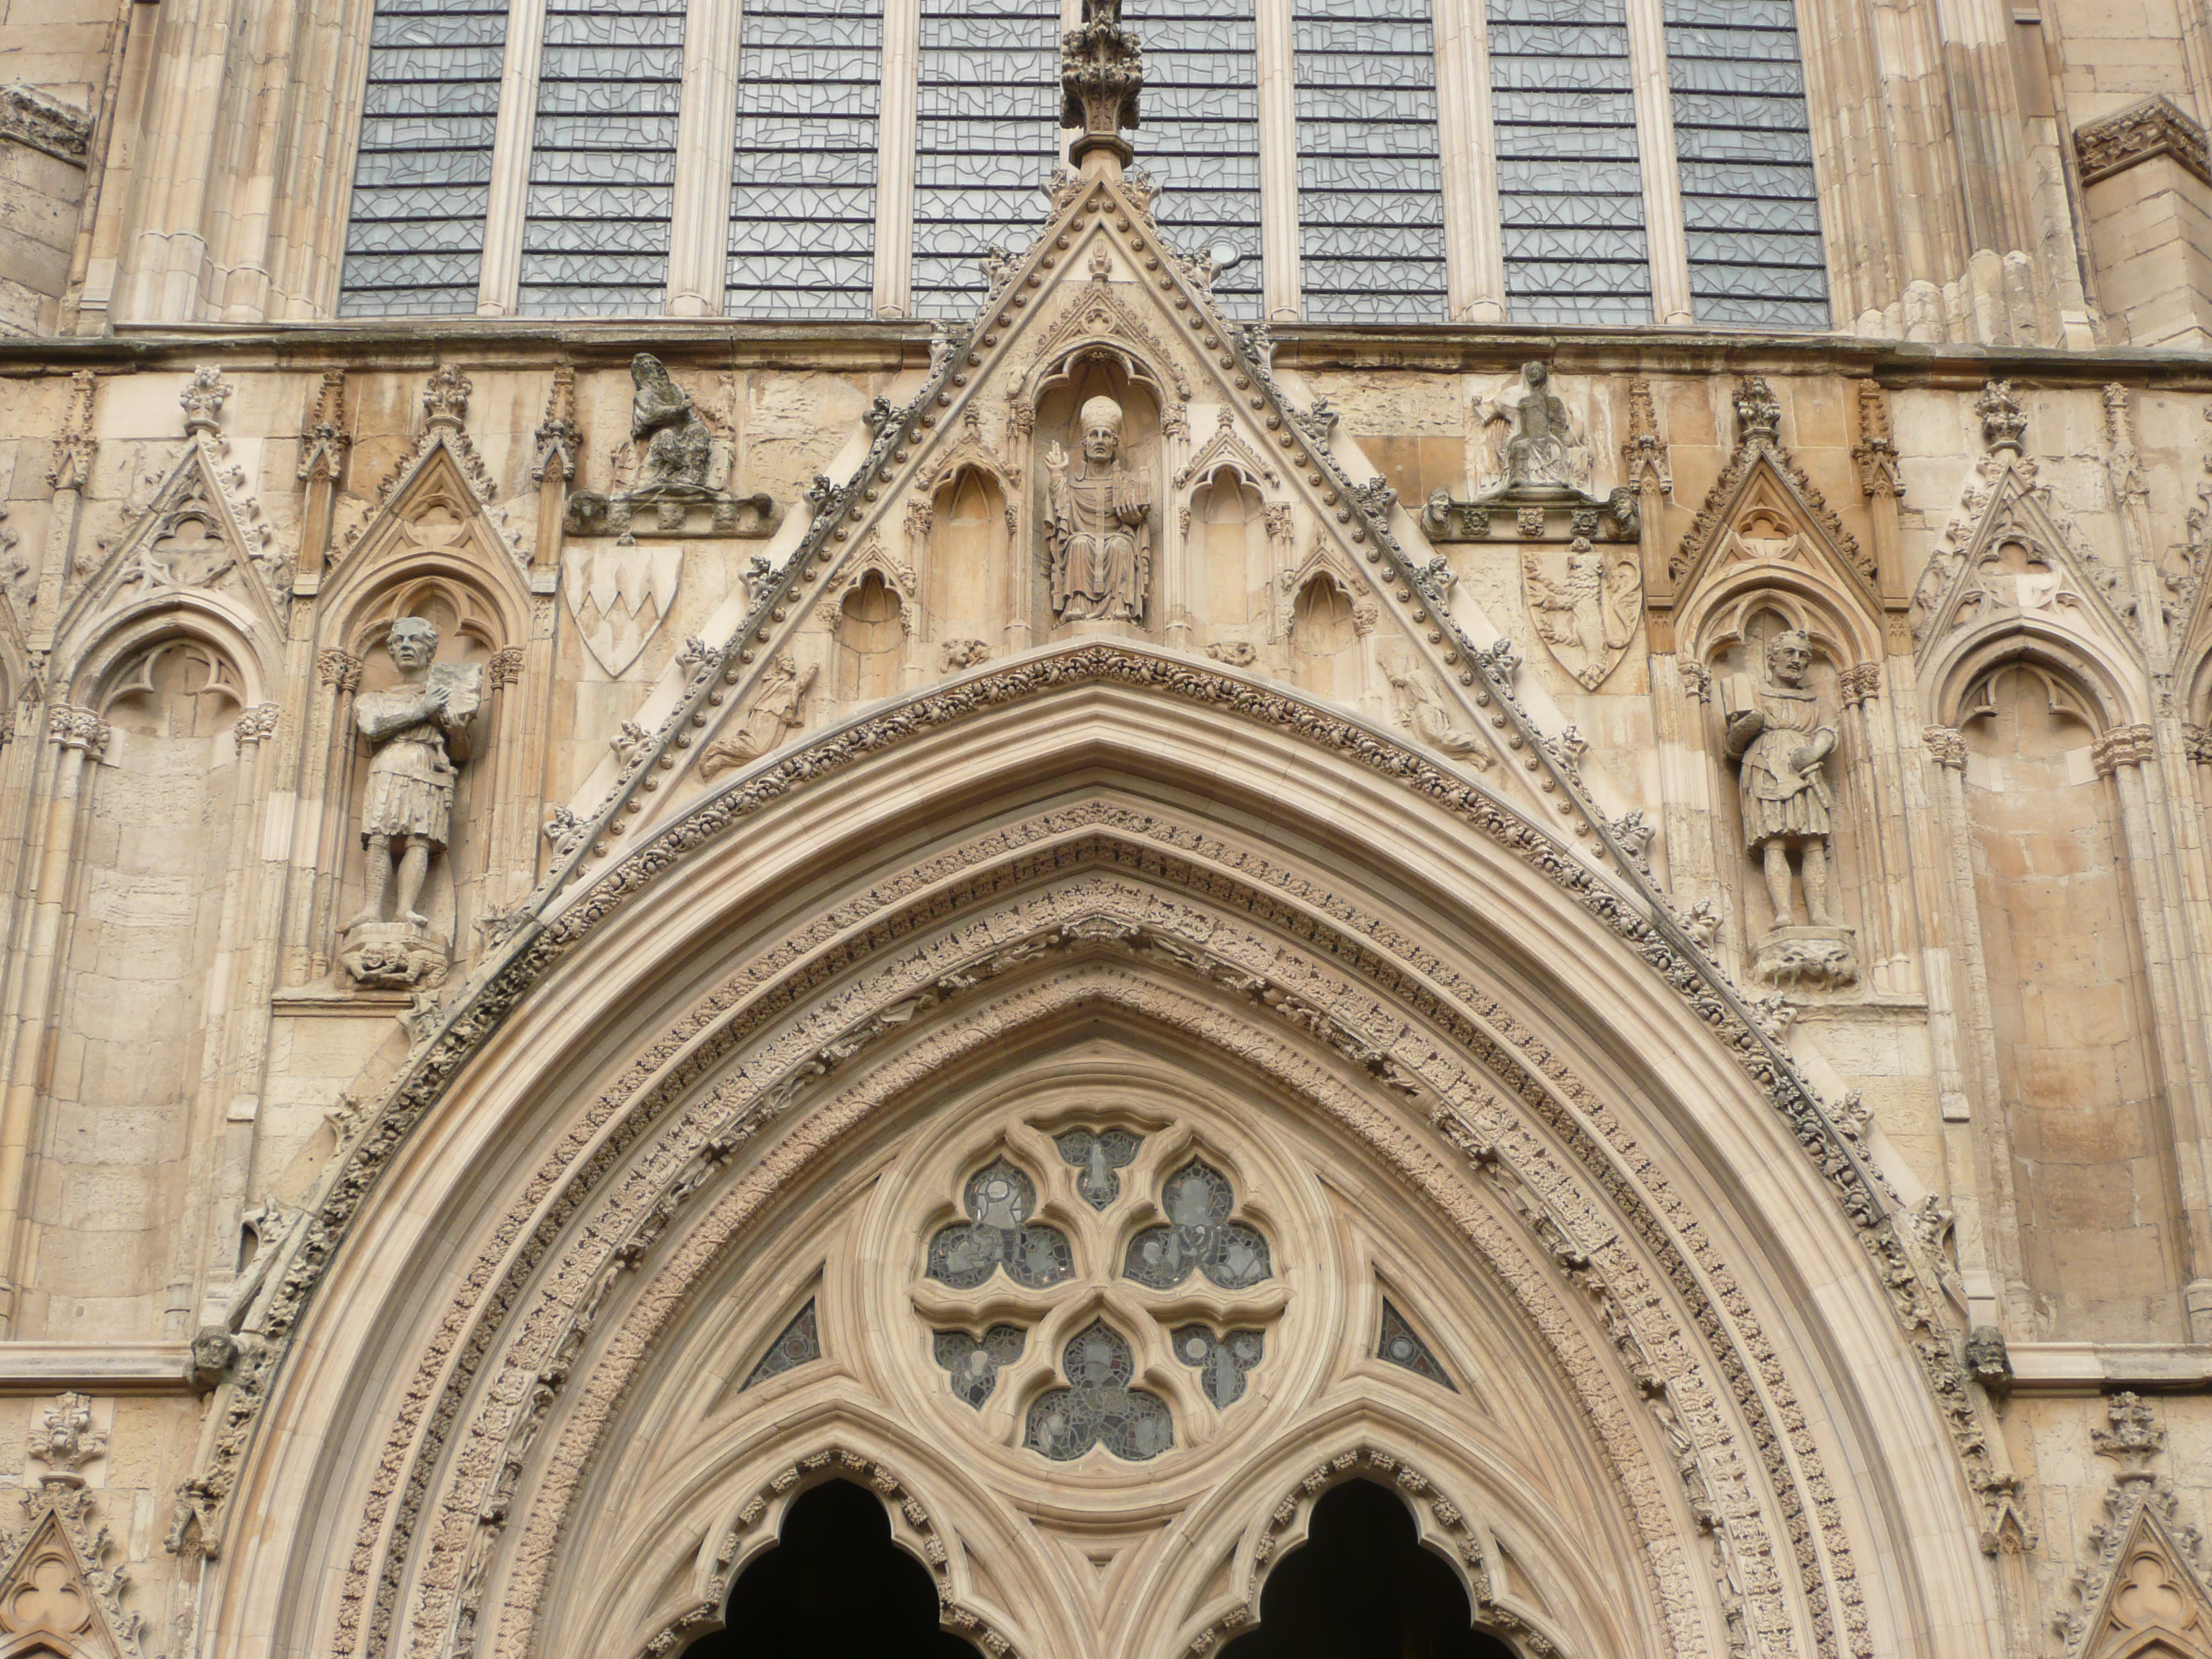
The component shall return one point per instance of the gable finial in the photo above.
(1101, 73)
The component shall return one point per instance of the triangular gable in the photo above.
(2142, 1592)
(444, 466)
(1763, 479)
(1974, 578)
(56, 1593)
(197, 534)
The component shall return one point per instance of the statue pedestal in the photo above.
(1807, 958)
(392, 956)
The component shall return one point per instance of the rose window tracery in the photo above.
(1090, 1390)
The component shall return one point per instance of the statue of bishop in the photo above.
(1100, 537)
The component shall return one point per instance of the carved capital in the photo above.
(2155, 127)
(338, 668)
(1945, 746)
(1859, 681)
(504, 668)
(1697, 679)
(2196, 743)
(77, 728)
(2123, 746)
(255, 725)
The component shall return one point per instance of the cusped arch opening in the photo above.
(834, 1585)
(1363, 1586)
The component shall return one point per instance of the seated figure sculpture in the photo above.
(1100, 534)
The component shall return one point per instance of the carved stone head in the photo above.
(1102, 430)
(1789, 656)
(412, 642)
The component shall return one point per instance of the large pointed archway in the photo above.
(760, 1069)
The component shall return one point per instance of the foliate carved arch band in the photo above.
(1404, 961)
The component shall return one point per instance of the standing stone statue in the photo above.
(1101, 534)
(1782, 742)
(417, 729)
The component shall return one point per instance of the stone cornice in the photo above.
(30, 117)
(2140, 132)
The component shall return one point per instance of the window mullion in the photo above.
(699, 233)
(894, 272)
(498, 285)
(1474, 248)
(1654, 144)
(1278, 162)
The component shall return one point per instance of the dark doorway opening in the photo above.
(1361, 1587)
(835, 1587)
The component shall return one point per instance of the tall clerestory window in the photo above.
(986, 138)
(803, 179)
(1743, 146)
(422, 173)
(1569, 188)
(1201, 133)
(603, 159)
(1370, 172)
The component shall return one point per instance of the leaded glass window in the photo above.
(796, 1344)
(1222, 1362)
(422, 175)
(1097, 1155)
(1743, 147)
(1201, 133)
(1099, 1406)
(603, 159)
(999, 1200)
(973, 1365)
(987, 136)
(1198, 1235)
(802, 186)
(1371, 177)
(1571, 193)
(1400, 1345)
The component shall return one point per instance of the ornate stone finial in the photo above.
(2122, 460)
(2004, 421)
(445, 396)
(2133, 1438)
(1101, 73)
(323, 446)
(202, 400)
(558, 436)
(1643, 452)
(64, 1440)
(1758, 415)
(1876, 452)
(71, 463)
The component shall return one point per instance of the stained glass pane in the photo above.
(1201, 133)
(998, 1233)
(1221, 1361)
(1370, 179)
(1198, 1234)
(1099, 1154)
(603, 159)
(1743, 143)
(422, 175)
(1570, 194)
(973, 1365)
(802, 187)
(987, 136)
(1400, 1346)
(797, 1343)
(1099, 1406)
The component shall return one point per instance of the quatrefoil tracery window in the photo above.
(1143, 1255)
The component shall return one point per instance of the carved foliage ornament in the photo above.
(2156, 127)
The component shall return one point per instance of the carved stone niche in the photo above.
(674, 449)
(1100, 492)
(410, 794)
(1780, 718)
